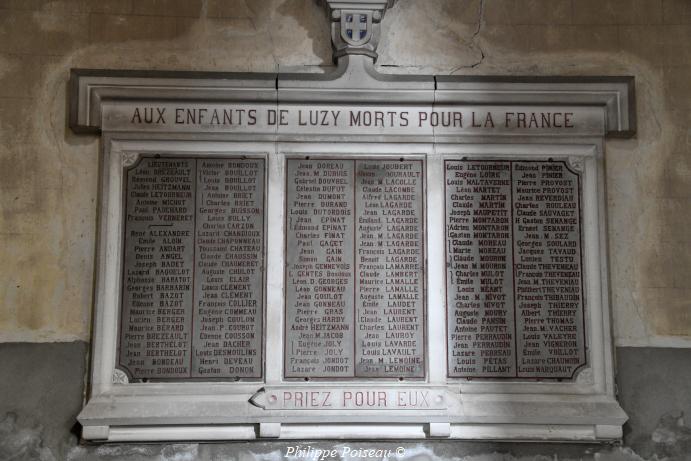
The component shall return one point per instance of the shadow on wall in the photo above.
(311, 17)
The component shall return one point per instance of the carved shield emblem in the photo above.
(356, 27)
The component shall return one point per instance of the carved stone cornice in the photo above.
(353, 81)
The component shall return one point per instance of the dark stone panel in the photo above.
(654, 387)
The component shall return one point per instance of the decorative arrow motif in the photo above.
(259, 399)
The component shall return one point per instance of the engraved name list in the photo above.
(192, 292)
(354, 277)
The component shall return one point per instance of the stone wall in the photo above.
(48, 177)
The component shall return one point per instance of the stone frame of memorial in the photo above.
(361, 115)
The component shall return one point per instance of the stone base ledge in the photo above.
(532, 418)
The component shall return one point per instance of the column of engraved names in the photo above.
(479, 269)
(389, 262)
(319, 268)
(155, 336)
(228, 280)
(549, 298)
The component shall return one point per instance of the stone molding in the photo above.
(355, 80)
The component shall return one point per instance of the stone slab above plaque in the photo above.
(355, 288)
(403, 122)
(514, 269)
(193, 270)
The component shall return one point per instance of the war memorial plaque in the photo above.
(514, 269)
(192, 290)
(372, 255)
(354, 269)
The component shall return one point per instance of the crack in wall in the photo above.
(473, 41)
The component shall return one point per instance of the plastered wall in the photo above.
(48, 185)
(48, 175)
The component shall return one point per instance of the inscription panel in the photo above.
(351, 398)
(354, 269)
(192, 290)
(514, 269)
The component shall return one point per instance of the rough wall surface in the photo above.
(48, 182)
(41, 392)
(48, 176)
